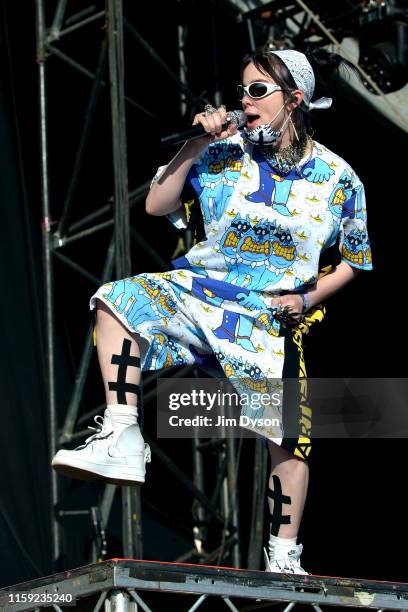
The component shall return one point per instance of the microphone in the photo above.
(238, 117)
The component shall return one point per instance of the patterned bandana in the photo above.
(303, 75)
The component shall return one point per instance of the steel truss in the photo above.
(127, 585)
(316, 23)
(58, 232)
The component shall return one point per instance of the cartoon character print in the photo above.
(210, 172)
(274, 188)
(218, 174)
(236, 328)
(247, 378)
(263, 255)
(346, 200)
(141, 299)
(253, 251)
(213, 291)
(283, 248)
(248, 251)
(356, 248)
(164, 352)
(265, 320)
(228, 244)
(232, 170)
(182, 263)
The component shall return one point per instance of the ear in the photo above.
(296, 99)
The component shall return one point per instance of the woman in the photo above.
(272, 201)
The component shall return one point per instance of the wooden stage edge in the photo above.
(122, 583)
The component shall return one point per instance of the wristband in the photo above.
(306, 302)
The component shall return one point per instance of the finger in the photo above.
(223, 113)
(216, 121)
(206, 121)
(219, 118)
(199, 118)
(213, 124)
(232, 129)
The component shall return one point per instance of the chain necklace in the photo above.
(285, 159)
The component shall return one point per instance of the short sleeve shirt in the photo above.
(266, 230)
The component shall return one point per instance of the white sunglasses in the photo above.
(257, 90)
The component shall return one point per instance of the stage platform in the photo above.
(127, 585)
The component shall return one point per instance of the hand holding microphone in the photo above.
(210, 126)
(217, 124)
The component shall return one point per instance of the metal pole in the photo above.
(81, 24)
(251, 35)
(86, 357)
(181, 36)
(233, 496)
(228, 491)
(48, 274)
(58, 19)
(132, 522)
(214, 21)
(65, 58)
(209, 505)
(225, 500)
(199, 514)
(118, 601)
(197, 101)
(131, 499)
(121, 194)
(86, 128)
(258, 504)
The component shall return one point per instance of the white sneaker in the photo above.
(116, 454)
(284, 562)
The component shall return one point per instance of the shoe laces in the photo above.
(103, 430)
(147, 453)
(285, 561)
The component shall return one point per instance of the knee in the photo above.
(296, 465)
(291, 462)
(292, 470)
(300, 466)
(103, 314)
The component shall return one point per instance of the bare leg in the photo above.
(289, 478)
(112, 338)
(117, 452)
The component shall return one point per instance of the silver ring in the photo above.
(209, 110)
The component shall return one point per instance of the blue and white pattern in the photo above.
(265, 233)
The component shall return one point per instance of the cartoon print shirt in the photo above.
(265, 230)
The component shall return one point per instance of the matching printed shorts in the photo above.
(175, 327)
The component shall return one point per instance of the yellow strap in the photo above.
(187, 207)
(325, 270)
(314, 315)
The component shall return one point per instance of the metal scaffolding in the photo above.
(59, 231)
(141, 585)
(113, 215)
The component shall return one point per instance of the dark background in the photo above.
(355, 520)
